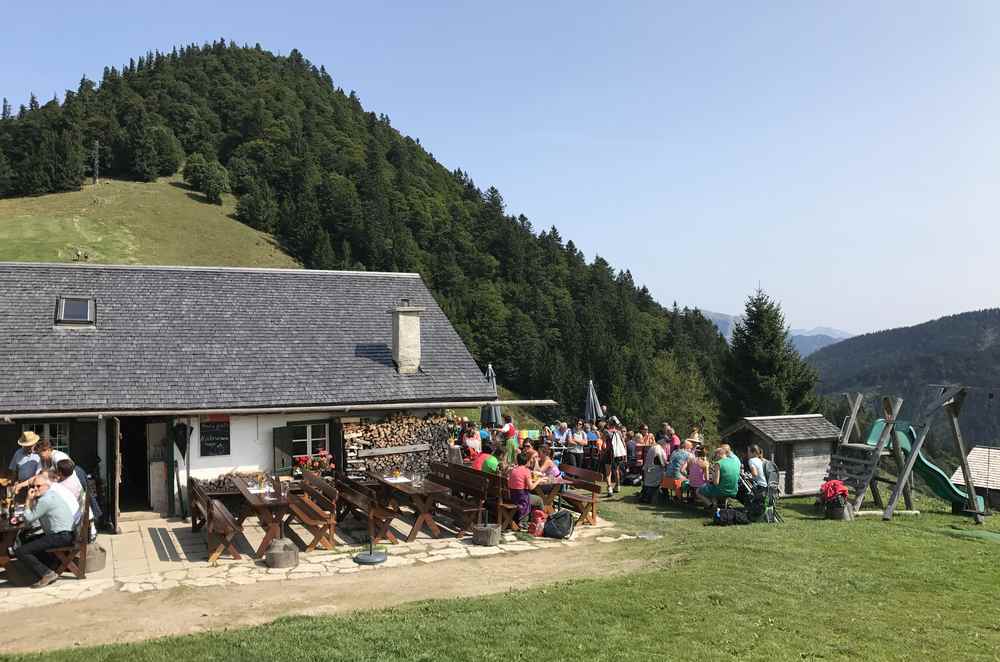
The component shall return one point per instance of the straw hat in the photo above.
(27, 439)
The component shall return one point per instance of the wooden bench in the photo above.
(468, 494)
(198, 503)
(224, 526)
(73, 558)
(584, 496)
(212, 515)
(497, 496)
(358, 499)
(316, 509)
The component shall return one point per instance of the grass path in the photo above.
(121, 222)
(810, 589)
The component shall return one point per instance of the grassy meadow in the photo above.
(121, 222)
(810, 589)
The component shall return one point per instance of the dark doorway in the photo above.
(134, 491)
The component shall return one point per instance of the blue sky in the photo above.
(843, 155)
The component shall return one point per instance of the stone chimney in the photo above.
(406, 337)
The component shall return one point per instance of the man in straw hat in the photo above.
(26, 461)
(54, 513)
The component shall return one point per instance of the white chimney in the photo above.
(406, 337)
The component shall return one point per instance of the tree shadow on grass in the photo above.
(804, 510)
(670, 510)
(191, 193)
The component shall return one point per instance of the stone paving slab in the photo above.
(179, 559)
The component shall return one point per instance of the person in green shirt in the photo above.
(724, 477)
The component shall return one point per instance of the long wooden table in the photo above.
(549, 496)
(271, 511)
(421, 498)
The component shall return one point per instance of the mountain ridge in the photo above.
(914, 361)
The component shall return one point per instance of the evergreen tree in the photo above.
(6, 176)
(322, 256)
(258, 209)
(765, 375)
(169, 153)
(5, 114)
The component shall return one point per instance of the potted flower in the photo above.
(834, 494)
(299, 462)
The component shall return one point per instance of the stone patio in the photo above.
(164, 554)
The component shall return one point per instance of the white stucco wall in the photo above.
(251, 443)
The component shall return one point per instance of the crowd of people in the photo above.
(48, 496)
(664, 465)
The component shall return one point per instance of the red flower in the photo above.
(833, 489)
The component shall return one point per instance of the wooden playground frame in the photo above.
(862, 473)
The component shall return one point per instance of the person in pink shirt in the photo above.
(521, 482)
(697, 470)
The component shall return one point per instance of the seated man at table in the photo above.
(53, 511)
(520, 481)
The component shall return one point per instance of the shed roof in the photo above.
(984, 463)
(210, 338)
(787, 429)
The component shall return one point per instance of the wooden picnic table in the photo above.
(421, 498)
(549, 495)
(271, 511)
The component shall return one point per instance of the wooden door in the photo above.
(114, 438)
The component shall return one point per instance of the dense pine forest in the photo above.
(342, 189)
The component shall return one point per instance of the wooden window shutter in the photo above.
(282, 438)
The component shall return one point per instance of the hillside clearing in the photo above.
(122, 222)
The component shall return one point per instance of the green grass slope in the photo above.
(810, 589)
(121, 222)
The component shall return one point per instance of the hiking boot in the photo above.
(45, 580)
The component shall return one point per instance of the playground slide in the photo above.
(936, 479)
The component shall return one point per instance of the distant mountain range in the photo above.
(912, 362)
(806, 341)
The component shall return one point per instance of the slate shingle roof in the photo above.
(170, 338)
(786, 429)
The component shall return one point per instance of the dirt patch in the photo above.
(117, 617)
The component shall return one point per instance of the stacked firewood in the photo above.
(429, 435)
(223, 483)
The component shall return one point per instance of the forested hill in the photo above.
(341, 188)
(908, 362)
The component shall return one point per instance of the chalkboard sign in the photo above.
(214, 438)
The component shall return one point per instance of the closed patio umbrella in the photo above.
(592, 407)
(490, 414)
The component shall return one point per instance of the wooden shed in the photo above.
(800, 445)
(984, 463)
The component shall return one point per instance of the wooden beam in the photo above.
(852, 420)
(953, 409)
(892, 412)
(897, 452)
(907, 470)
(393, 450)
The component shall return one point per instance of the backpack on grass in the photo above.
(559, 525)
(729, 516)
